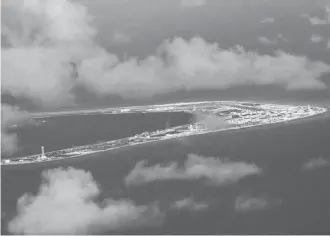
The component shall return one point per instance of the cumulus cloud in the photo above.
(282, 38)
(204, 65)
(41, 39)
(65, 204)
(192, 3)
(121, 38)
(190, 204)
(10, 115)
(317, 21)
(315, 38)
(267, 20)
(266, 41)
(49, 49)
(247, 204)
(215, 170)
(316, 163)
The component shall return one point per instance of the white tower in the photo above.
(43, 152)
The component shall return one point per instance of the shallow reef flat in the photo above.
(210, 116)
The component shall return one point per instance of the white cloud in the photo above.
(190, 204)
(65, 204)
(51, 42)
(282, 38)
(10, 115)
(316, 163)
(315, 38)
(268, 20)
(42, 38)
(247, 204)
(193, 3)
(121, 38)
(266, 41)
(317, 21)
(215, 170)
(211, 122)
(196, 64)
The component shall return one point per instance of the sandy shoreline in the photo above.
(40, 115)
(169, 138)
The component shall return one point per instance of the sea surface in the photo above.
(59, 132)
(279, 149)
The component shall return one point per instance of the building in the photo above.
(6, 161)
(42, 156)
(192, 128)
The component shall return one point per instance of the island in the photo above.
(224, 115)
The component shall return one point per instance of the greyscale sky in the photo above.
(147, 23)
(69, 52)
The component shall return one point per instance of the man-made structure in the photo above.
(42, 156)
(219, 115)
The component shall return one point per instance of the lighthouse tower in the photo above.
(43, 152)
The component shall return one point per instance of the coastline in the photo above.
(40, 115)
(184, 135)
(104, 110)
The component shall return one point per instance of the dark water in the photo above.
(279, 149)
(68, 131)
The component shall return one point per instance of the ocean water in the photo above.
(279, 149)
(68, 131)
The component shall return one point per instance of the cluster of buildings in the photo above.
(166, 133)
(235, 114)
(267, 113)
(36, 158)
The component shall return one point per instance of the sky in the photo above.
(229, 23)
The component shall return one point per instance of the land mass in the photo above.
(211, 116)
